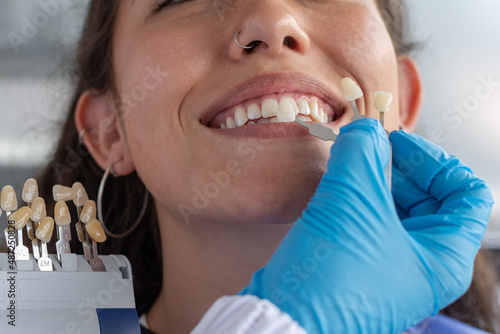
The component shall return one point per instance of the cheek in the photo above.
(361, 47)
(153, 79)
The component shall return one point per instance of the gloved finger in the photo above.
(465, 200)
(354, 185)
(411, 200)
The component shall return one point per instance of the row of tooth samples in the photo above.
(40, 227)
(352, 92)
(287, 110)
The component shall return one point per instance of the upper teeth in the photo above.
(287, 110)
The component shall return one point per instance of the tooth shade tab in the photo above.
(45, 229)
(88, 212)
(80, 193)
(21, 217)
(61, 214)
(38, 209)
(30, 190)
(95, 230)
(351, 90)
(62, 193)
(383, 101)
(8, 199)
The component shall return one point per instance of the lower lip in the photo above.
(266, 131)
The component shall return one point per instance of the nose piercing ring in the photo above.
(250, 46)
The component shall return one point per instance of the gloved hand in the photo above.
(351, 264)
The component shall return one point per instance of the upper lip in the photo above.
(269, 84)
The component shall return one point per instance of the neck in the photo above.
(202, 262)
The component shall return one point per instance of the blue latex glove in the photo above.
(350, 264)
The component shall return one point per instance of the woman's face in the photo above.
(180, 75)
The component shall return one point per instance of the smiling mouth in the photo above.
(276, 108)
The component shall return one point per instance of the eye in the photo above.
(160, 4)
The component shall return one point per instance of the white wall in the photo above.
(461, 45)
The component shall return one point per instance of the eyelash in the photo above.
(160, 4)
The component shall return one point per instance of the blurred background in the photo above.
(459, 61)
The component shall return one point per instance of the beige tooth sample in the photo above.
(94, 229)
(383, 101)
(38, 210)
(223, 126)
(286, 112)
(304, 107)
(263, 121)
(44, 233)
(270, 108)
(274, 120)
(38, 213)
(61, 214)
(8, 199)
(253, 112)
(240, 116)
(80, 194)
(62, 193)
(21, 217)
(88, 212)
(30, 191)
(230, 123)
(45, 229)
(351, 90)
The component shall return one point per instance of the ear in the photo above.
(96, 121)
(410, 92)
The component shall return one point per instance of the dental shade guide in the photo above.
(71, 282)
(352, 92)
(79, 201)
(20, 218)
(30, 192)
(39, 212)
(62, 218)
(383, 102)
(44, 234)
(319, 131)
(97, 234)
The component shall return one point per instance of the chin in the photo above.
(273, 200)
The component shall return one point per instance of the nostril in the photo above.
(252, 45)
(289, 42)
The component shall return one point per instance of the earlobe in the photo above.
(101, 133)
(410, 92)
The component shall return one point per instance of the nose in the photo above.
(271, 28)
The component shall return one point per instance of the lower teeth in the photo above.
(230, 123)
